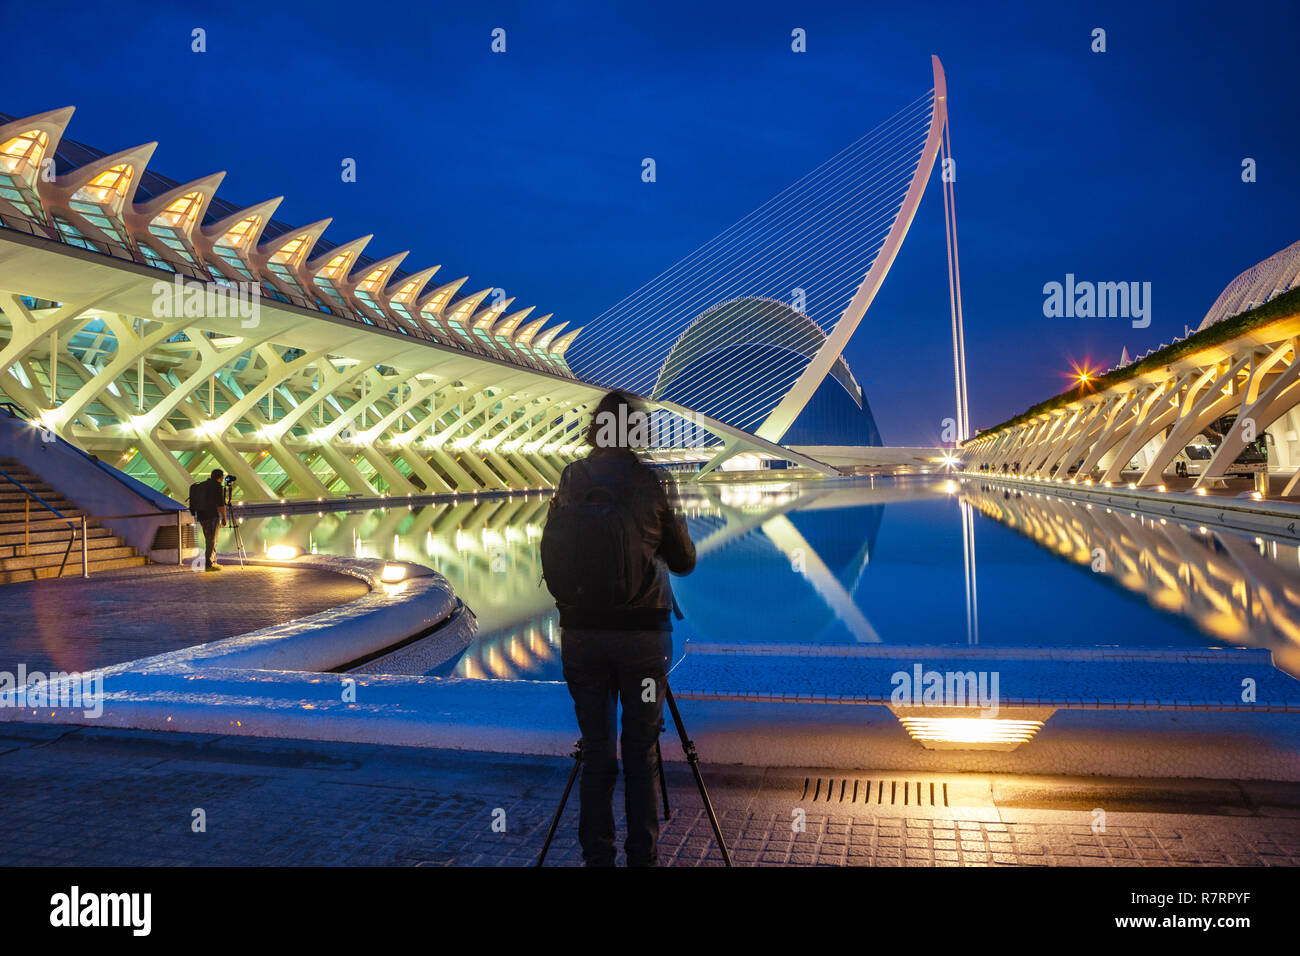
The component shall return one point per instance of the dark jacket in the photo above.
(663, 534)
(206, 499)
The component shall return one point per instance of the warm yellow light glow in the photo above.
(337, 266)
(107, 188)
(26, 148)
(288, 252)
(181, 213)
(240, 232)
(282, 552)
(970, 730)
(393, 573)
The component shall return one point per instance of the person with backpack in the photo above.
(612, 536)
(208, 504)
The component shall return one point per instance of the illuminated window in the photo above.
(24, 150)
(182, 214)
(20, 160)
(289, 253)
(238, 235)
(336, 268)
(107, 188)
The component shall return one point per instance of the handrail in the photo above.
(27, 522)
(17, 411)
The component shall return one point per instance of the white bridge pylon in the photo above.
(808, 263)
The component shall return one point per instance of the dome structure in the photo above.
(737, 360)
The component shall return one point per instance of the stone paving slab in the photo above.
(116, 616)
(91, 797)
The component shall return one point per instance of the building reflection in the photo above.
(810, 542)
(1240, 591)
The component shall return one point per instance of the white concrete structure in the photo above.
(153, 324)
(1260, 283)
(1135, 431)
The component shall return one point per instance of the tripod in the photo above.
(234, 523)
(692, 758)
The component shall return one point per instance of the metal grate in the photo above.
(902, 793)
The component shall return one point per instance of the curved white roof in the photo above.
(1261, 282)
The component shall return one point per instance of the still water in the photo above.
(908, 562)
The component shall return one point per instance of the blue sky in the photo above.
(523, 169)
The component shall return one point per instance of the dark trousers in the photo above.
(209, 526)
(602, 668)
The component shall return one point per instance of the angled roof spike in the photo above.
(564, 341)
(206, 187)
(525, 335)
(261, 214)
(135, 158)
(294, 244)
(373, 275)
(543, 343)
(25, 146)
(339, 259)
(509, 323)
(52, 123)
(486, 317)
(460, 310)
(407, 288)
(436, 299)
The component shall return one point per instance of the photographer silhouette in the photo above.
(208, 504)
(612, 536)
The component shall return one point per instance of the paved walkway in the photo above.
(88, 796)
(115, 616)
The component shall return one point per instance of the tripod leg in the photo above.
(692, 758)
(663, 781)
(568, 787)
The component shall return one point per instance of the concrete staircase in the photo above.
(26, 557)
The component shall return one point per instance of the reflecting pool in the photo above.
(906, 562)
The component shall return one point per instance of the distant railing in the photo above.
(27, 524)
(17, 411)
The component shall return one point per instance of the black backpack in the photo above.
(593, 555)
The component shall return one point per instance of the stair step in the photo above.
(53, 559)
(17, 511)
(59, 534)
(33, 542)
(59, 544)
(8, 489)
(48, 523)
(72, 570)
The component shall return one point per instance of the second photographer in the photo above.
(208, 504)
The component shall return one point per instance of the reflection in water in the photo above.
(1235, 589)
(968, 564)
(819, 562)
